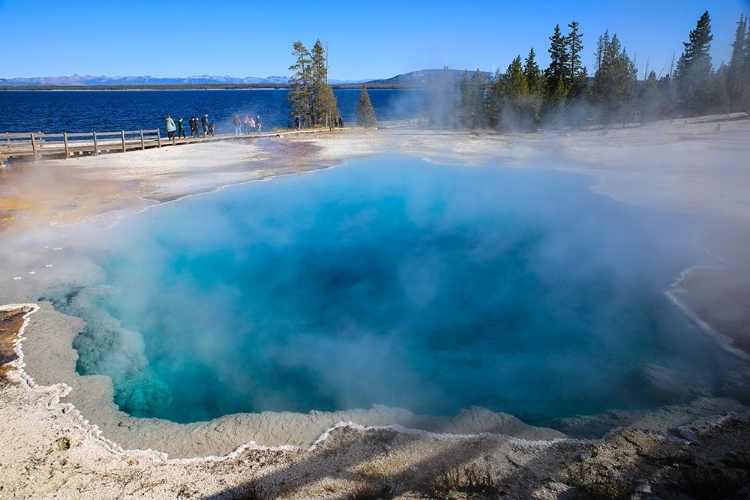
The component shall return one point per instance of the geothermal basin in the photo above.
(412, 291)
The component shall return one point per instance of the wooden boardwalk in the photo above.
(37, 146)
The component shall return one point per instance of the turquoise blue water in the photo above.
(395, 282)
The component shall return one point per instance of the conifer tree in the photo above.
(365, 111)
(559, 60)
(311, 96)
(320, 99)
(519, 112)
(443, 100)
(738, 72)
(615, 78)
(535, 84)
(477, 101)
(493, 102)
(556, 81)
(694, 70)
(532, 73)
(466, 102)
(301, 82)
(577, 75)
(650, 99)
(328, 106)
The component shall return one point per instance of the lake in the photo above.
(112, 110)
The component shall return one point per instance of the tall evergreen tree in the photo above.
(694, 70)
(535, 84)
(556, 81)
(615, 78)
(311, 96)
(328, 106)
(738, 73)
(443, 100)
(464, 115)
(519, 112)
(365, 111)
(494, 100)
(477, 100)
(532, 73)
(577, 75)
(649, 99)
(301, 82)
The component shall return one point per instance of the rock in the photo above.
(643, 488)
(661, 384)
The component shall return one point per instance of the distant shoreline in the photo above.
(249, 86)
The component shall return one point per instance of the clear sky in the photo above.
(366, 40)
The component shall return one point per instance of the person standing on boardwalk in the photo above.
(204, 124)
(194, 126)
(257, 123)
(170, 126)
(180, 128)
(248, 121)
(237, 125)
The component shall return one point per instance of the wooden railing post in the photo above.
(123, 141)
(33, 147)
(158, 138)
(96, 149)
(143, 144)
(67, 148)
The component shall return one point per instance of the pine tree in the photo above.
(535, 84)
(615, 78)
(328, 106)
(694, 70)
(493, 101)
(556, 82)
(319, 92)
(519, 112)
(365, 111)
(477, 100)
(738, 73)
(301, 82)
(443, 100)
(311, 96)
(466, 103)
(650, 100)
(577, 75)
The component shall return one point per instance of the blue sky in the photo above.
(366, 40)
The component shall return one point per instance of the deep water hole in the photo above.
(396, 282)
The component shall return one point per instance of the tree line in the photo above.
(527, 97)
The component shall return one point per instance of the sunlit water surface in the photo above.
(395, 282)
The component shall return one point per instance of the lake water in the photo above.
(113, 110)
(395, 282)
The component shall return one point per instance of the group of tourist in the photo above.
(177, 130)
(251, 124)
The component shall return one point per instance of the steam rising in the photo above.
(392, 282)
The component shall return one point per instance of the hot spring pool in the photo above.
(395, 282)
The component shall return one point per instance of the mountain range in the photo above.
(413, 79)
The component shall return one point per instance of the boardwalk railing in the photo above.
(66, 145)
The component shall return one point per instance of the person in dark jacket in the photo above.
(180, 128)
